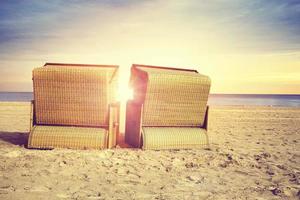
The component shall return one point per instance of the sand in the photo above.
(254, 154)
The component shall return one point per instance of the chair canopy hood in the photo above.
(73, 94)
(170, 96)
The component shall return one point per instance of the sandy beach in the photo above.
(254, 154)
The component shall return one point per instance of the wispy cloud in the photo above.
(250, 26)
(212, 34)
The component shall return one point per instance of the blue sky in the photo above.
(222, 38)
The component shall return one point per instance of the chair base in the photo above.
(158, 138)
(49, 137)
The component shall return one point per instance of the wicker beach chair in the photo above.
(74, 107)
(169, 109)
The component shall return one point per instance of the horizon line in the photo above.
(209, 94)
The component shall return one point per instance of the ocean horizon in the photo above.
(283, 100)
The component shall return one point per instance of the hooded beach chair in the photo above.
(74, 107)
(169, 109)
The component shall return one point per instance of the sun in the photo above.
(125, 93)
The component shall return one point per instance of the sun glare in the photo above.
(125, 93)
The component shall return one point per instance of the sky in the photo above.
(245, 46)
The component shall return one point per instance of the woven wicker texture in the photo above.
(174, 138)
(175, 98)
(47, 137)
(73, 95)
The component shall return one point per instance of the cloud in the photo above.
(217, 35)
(249, 26)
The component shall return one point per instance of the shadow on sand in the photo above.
(16, 138)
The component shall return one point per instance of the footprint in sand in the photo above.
(5, 189)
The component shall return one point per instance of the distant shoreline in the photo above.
(215, 99)
(211, 94)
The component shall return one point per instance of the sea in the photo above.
(282, 100)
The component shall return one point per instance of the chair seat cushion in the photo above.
(174, 138)
(48, 137)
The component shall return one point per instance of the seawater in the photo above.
(214, 99)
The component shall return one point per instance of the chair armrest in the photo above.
(205, 123)
(32, 115)
(113, 129)
(133, 124)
